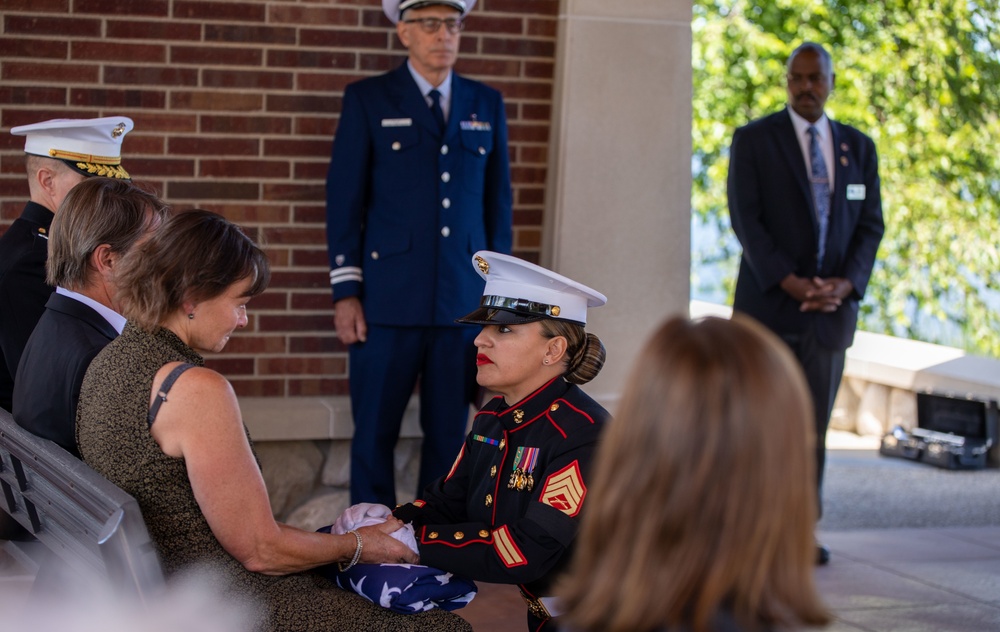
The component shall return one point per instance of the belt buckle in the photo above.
(535, 606)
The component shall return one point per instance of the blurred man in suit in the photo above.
(419, 180)
(804, 202)
(100, 220)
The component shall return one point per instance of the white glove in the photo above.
(368, 514)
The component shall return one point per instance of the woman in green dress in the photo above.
(167, 430)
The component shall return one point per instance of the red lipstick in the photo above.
(481, 359)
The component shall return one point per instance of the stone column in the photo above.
(618, 204)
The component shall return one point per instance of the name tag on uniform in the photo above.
(476, 126)
(855, 192)
(401, 122)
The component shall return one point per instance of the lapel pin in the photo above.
(843, 160)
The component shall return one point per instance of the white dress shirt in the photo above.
(425, 88)
(825, 137)
(115, 319)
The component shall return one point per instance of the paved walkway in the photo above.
(915, 548)
(914, 580)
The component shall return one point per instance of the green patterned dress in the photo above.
(115, 440)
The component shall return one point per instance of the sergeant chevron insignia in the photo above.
(565, 490)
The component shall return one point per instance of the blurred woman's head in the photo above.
(198, 265)
(704, 488)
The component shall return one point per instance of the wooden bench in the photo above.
(83, 524)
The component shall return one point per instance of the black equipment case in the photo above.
(951, 433)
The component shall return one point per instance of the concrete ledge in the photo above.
(907, 364)
(902, 363)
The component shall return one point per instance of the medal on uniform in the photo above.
(515, 477)
(521, 478)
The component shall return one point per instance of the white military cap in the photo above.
(91, 146)
(521, 292)
(393, 9)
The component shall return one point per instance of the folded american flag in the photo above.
(405, 588)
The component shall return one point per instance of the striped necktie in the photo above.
(819, 180)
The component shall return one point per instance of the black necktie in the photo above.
(436, 110)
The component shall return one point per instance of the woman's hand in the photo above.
(380, 548)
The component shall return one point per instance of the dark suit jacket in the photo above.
(68, 336)
(773, 214)
(406, 208)
(23, 291)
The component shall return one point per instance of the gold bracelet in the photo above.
(357, 553)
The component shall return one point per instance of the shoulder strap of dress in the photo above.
(161, 394)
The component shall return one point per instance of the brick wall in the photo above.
(235, 105)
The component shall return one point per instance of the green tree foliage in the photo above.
(922, 78)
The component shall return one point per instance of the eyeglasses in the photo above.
(431, 25)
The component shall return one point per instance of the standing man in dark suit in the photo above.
(61, 153)
(419, 181)
(805, 204)
(100, 220)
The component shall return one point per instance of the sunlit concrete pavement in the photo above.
(914, 580)
(914, 548)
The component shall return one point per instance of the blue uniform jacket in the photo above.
(510, 508)
(406, 210)
(773, 215)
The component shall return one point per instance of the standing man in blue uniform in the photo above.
(804, 202)
(419, 180)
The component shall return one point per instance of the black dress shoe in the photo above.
(822, 555)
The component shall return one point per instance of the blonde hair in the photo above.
(585, 353)
(703, 497)
(98, 211)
